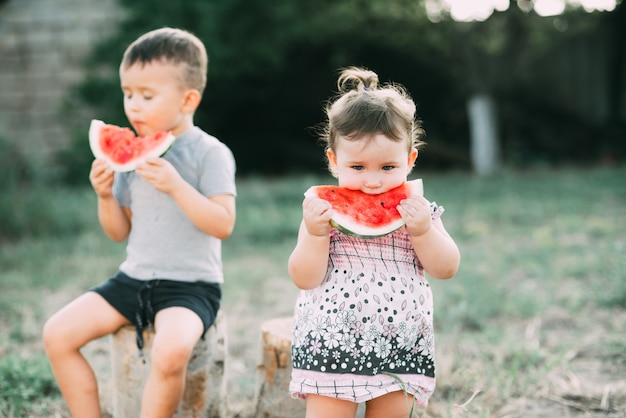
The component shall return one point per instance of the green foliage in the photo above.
(23, 382)
(31, 203)
(266, 209)
(273, 64)
(15, 168)
(264, 58)
(531, 241)
(611, 289)
(38, 209)
(76, 159)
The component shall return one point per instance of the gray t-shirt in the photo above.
(163, 243)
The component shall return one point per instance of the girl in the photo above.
(363, 323)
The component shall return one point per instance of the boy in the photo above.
(175, 211)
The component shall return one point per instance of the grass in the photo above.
(25, 385)
(539, 301)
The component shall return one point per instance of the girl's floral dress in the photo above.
(367, 330)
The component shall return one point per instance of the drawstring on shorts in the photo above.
(144, 310)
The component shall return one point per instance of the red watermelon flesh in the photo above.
(122, 149)
(364, 215)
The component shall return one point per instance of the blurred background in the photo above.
(524, 83)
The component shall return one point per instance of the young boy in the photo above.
(175, 211)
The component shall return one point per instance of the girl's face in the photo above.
(372, 164)
(154, 99)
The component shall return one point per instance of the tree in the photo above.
(494, 51)
(274, 63)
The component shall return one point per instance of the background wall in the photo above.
(42, 46)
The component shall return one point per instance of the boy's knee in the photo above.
(58, 337)
(52, 334)
(170, 359)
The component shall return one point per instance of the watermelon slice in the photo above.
(122, 149)
(365, 215)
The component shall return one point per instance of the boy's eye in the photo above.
(388, 167)
(357, 167)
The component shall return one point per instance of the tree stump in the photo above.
(205, 385)
(274, 372)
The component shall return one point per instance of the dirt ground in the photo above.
(582, 374)
(580, 371)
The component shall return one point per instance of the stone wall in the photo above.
(42, 46)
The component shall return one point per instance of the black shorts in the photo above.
(140, 300)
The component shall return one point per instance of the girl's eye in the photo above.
(147, 97)
(388, 167)
(357, 167)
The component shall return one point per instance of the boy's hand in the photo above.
(415, 210)
(316, 214)
(101, 178)
(161, 174)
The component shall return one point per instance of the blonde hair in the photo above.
(363, 108)
(174, 46)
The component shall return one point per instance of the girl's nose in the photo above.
(373, 182)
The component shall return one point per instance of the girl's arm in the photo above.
(434, 247)
(309, 260)
(437, 251)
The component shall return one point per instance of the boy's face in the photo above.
(154, 98)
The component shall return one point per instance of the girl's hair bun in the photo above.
(354, 78)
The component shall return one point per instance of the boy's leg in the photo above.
(177, 330)
(86, 318)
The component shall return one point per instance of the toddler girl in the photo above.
(363, 323)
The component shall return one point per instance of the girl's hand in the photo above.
(415, 210)
(161, 174)
(316, 214)
(101, 178)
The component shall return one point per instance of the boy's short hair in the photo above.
(175, 46)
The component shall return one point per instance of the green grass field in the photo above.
(534, 324)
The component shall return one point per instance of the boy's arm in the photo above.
(214, 215)
(114, 219)
(309, 260)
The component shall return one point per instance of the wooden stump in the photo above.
(205, 385)
(274, 372)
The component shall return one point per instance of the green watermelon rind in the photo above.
(94, 135)
(365, 232)
(344, 224)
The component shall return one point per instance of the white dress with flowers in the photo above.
(367, 330)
